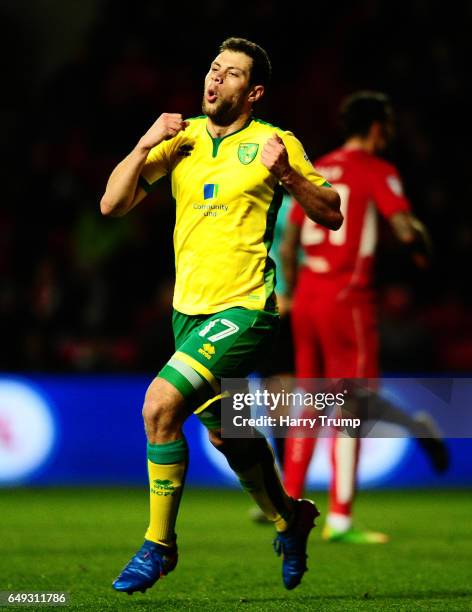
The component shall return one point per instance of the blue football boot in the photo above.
(291, 544)
(146, 567)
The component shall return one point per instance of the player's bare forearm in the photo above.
(321, 204)
(122, 192)
(413, 234)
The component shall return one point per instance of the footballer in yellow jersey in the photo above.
(227, 171)
(226, 206)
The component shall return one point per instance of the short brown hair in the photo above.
(359, 111)
(261, 68)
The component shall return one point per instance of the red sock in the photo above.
(344, 460)
(298, 453)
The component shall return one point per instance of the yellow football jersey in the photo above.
(227, 203)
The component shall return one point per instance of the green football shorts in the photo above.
(227, 344)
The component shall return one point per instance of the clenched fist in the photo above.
(274, 156)
(166, 127)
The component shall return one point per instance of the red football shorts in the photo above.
(335, 333)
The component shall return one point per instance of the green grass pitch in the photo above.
(77, 540)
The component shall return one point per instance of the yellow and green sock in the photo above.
(258, 474)
(167, 468)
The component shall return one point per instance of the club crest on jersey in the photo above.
(247, 152)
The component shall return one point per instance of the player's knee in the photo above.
(159, 417)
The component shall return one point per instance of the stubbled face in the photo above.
(227, 87)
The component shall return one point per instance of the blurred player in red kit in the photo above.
(334, 303)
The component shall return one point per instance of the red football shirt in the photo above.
(366, 185)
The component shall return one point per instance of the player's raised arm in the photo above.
(122, 191)
(321, 204)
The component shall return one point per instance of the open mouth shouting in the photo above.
(211, 95)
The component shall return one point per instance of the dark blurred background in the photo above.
(82, 80)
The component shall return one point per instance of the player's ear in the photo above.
(375, 130)
(378, 136)
(255, 93)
